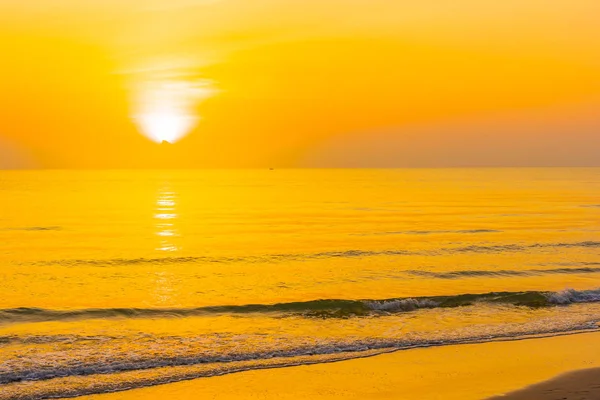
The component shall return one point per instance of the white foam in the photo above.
(569, 296)
(401, 304)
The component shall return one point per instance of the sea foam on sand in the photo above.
(465, 372)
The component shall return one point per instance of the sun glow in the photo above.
(165, 109)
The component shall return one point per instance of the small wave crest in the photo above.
(301, 257)
(432, 232)
(34, 228)
(499, 273)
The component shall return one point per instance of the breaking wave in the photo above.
(65, 365)
(328, 308)
(68, 366)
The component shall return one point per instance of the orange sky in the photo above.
(293, 83)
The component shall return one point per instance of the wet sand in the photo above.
(473, 371)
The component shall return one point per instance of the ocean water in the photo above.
(112, 280)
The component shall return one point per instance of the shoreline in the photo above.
(462, 371)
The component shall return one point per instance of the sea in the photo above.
(114, 280)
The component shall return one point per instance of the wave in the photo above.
(501, 273)
(45, 365)
(586, 244)
(270, 258)
(100, 366)
(570, 296)
(432, 232)
(573, 263)
(517, 248)
(34, 228)
(276, 258)
(328, 308)
(527, 299)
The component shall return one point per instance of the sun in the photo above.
(164, 110)
(166, 125)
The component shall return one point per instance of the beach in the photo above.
(470, 371)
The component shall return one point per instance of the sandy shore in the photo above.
(474, 371)
(578, 385)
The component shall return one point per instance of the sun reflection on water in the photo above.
(166, 217)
